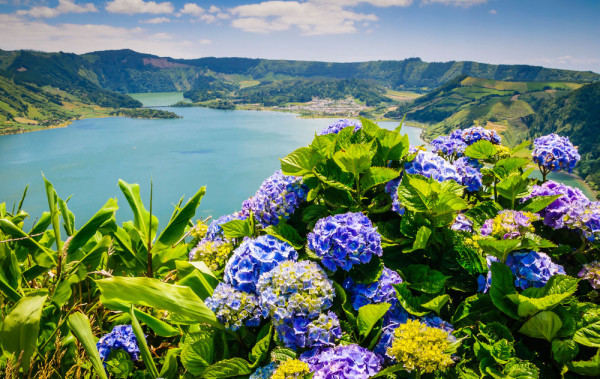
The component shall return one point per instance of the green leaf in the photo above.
(564, 351)
(519, 369)
(237, 229)
(421, 239)
(532, 300)
(68, 218)
(389, 371)
(514, 187)
(410, 303)
(21, 327)
(154, 293)
(470, 259)
(197, 276)
(498, 248)
(170, 366)
(543, 325)
(159, 327)
(588, 333)
(261, 348)
(54, 211)
(9, 228)
(301, 161)
(143, 346)
(483, 211)
(282, 354)
(62, 293)
(286, 233)
(355, 160)
(507, 165)
(588, 368)
(424, 279)
(342, 298)
(502, 286)
(141, 217)
(537, 203)
(119, 364)
(368, 315)
(369, 272)
(227, 368)
(80, 326)
(502, 351)
(88, 230)
(198, 351)
(436, 303)
(482, 149)
(376, 176)
(174, 230)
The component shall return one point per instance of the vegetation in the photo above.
(148, 113)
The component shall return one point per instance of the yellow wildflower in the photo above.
(292, 368)
(199, 230)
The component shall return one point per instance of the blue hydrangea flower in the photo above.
(255, 257)
(391, 188)
(277, 198)
(532, 269)
(470, 176)
(462, 223)
(553, 153)
(433, 166)
(234, 308)
(381, 291)
(339, 125)
(448, 146)
(304, 333)
(121, 337)
(264, 372)
(350, 362)
(436, 322)
(294, 290)
(394, 317)
(476, 133)
(345, 240)
(215, 229)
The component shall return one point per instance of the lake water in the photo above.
(229, 152)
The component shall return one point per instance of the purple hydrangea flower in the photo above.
(344, 240)
(264, 372)
(294, 290)
(391, 188)
(234, 308)
(591, 273)
(350, 362)
(462, 223)
(339, 125)
(476, 133)
(433, 166)
(215, 229)
(532, 269)
(121, 337)
(468, 170)
(509, 224)
(255, 257)
(306, 333)
(448, 146)
(277, 198)
(487, 227)
(381, 291)
(554, 153)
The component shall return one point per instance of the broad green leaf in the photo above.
(470, 259)
(483, 211)
(199, 278)
(282, 354)
(22, 325)
(286, 233)
(237, 229)
(88, 230)
(31, 244)
(355, 160)
(495, 331)
(514, 187)
(498, 248)
(537, 203)
(324, 145)
(409, 302)
(482, 149)
(519, 369)
(62, 293)
(375, 176)
(228, 368)
(424, 279)
(502, 286)
(564, 351)
(91, 260)
(588, 368)
(143, 346)
(507, 165)
(369, 272)
(421, 239)
(436, 303)
(154, 293)
(502, 351)
(118, 364)
(170, 366)
(198, 352)
(472, 309)
(533, 300)
(543, 325)
(10, 274)
(261, 348)
(141, 217)
(175, 229)
(390, 371)
(301, 161)
(80, 326)
(342, 298)
(368, 315)
(520, 147)
(588, 333)
(159, 327)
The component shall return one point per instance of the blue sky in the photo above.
(551, 33)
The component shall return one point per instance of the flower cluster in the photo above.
(302, 332)
(509, 224)
(448, 146)
(392, 319)
(255, 257)
(391, 188)
(462, 223)
(350, 362)
(291, 369)
(564, 211)
(470, 176)
(339, 125)
(475, 133)
(199, 230)
(277, 198)
(234, 308)
(264, 372)
(591, 272)
(433, 166)
(381, 291)
(532, 269)
(553, 153)
(422, 348)
(121, 337)
(294, 289)
(213, 253)
(345, 240)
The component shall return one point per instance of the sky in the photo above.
(551, 33)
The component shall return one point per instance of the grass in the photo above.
(248, 83)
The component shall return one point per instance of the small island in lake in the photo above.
(147, 113)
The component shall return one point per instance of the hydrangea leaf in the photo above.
(368, 316)
(342, 299)
(198, 351)
(470, 259)
(502, 351)
(324, 145)
(301, 161)
(283, 354)
(542, 325)
(472, 309)
(237, 229)
(588, 333)
(409, 302)
(424, 279)
(421, 239)
(537, 203)
(503, 285)
(228, 368)
(495, 331)
(564, 351)
(332, 175)
(368, 272)
(507, 165)
(436, 303)
(482, 149)
(385, 373)
(356, 159)
(261, 348)
(498, 248)
(514, 187)
(519, 369)
(119, 364)
(483, 211)
(532, 241)
(588, 368)
(286, 233)
(532, 300)
(375, 176)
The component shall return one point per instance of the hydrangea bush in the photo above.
(363, 256)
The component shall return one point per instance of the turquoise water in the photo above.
(230, 152)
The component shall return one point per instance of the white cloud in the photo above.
(493, 11)
(38, 35)
(200, 13)
(192, 9)
(139, 6)
(312, 17)
(64, 6)
(456, 3)
(156, 20)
